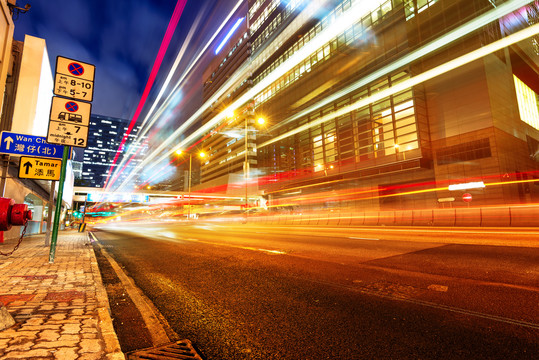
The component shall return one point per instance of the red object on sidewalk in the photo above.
(13, 214)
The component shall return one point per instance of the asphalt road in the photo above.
(267, 292)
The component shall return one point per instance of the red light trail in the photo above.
(178, 10)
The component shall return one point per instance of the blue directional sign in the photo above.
(21, 144)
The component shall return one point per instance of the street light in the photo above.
(259, 121)
(201, 155)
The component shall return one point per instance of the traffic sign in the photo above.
(74, 79)
(71, 111)
(467, 197)
(21, 144)
(39, 168)
(67, 133)
(75, 68)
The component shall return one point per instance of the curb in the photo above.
(112, 344)
(152, 318)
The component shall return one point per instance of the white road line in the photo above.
(276, 252)
(358, 238)
(271, 251)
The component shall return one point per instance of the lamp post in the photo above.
(259, 121)
(189, 176)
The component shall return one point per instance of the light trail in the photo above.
(147, 127)
(230, 33)
(313, 45)
(178, 10)
(373, 193)
(416, 80)
(170, 97)
(437, 44)
(242, 72)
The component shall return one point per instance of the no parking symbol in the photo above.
(72, 106)
(75, 69)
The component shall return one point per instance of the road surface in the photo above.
(268, 292)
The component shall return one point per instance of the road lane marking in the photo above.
(272, 251)
(167, 234)
(275, 252)
(358, 238)
(439, 288)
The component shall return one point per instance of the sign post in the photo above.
(69, 119)
(21, 144)
(74, 79)
(54, 236)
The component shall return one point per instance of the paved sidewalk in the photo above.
(61, 309)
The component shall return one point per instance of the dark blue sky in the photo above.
(121, 37)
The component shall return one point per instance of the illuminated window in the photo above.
(528, 103)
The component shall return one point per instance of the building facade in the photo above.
(351, 124)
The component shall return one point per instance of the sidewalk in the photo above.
(61, 310)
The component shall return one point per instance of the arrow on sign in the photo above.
(27, 165)
(8, 140)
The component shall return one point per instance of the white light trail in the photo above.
(442, 41)
(427, 75)
(187, 42)
(466, 186)
(230, 33)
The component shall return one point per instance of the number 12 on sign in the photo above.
(69, 134)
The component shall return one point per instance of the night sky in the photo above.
(122, 38)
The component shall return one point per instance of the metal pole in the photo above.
(5, 168)
(84, 212)
(189, 182)
(49, 213)
(58, 204)
(246, 167)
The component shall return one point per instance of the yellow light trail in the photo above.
(413, 192)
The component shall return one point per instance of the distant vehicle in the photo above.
(70, 117)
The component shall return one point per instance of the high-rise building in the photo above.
(104, 138)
